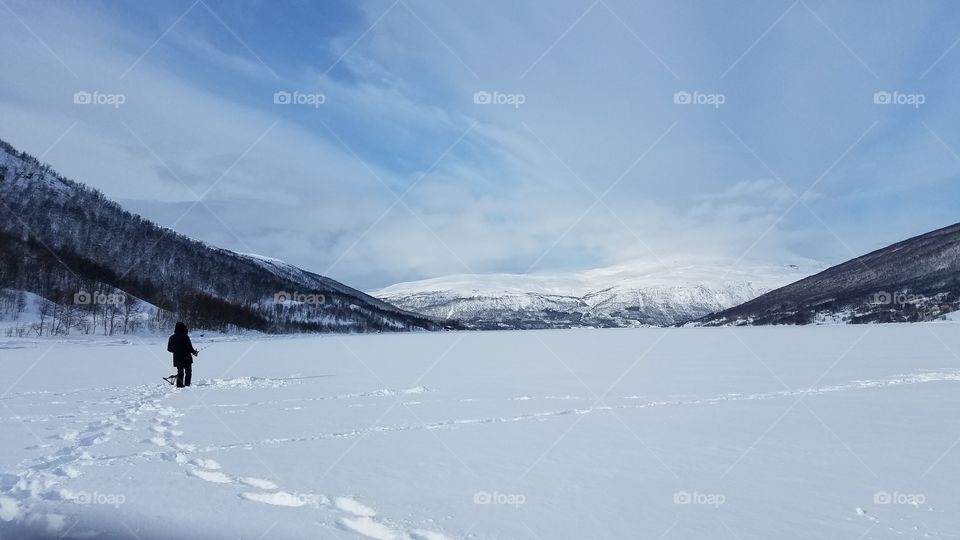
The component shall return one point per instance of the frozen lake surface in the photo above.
(749, 433)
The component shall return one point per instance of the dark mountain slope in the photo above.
(59, 237)
(913, 280)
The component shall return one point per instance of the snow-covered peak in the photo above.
(715, 273)
(264, 258)
(660, 292)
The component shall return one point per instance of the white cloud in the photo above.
(514, 193)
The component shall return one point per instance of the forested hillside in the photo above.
(71, 245)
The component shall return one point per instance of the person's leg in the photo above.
(179, 377)
(189, 373)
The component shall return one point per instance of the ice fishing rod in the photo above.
(207, 346)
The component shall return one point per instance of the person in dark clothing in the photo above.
(183, 352)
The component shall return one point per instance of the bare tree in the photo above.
(46, 309)
(131, 313)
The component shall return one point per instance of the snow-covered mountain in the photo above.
(660, 293)
(70, 245)
(917, 279)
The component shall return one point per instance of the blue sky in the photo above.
(586, 160)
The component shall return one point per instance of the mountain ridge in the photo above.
(875, 287)
(639, 293)
(60, 237)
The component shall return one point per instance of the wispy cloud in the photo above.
(501, 160)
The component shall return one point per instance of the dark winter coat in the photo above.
(181, 347)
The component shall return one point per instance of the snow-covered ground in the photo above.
(787, 432)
